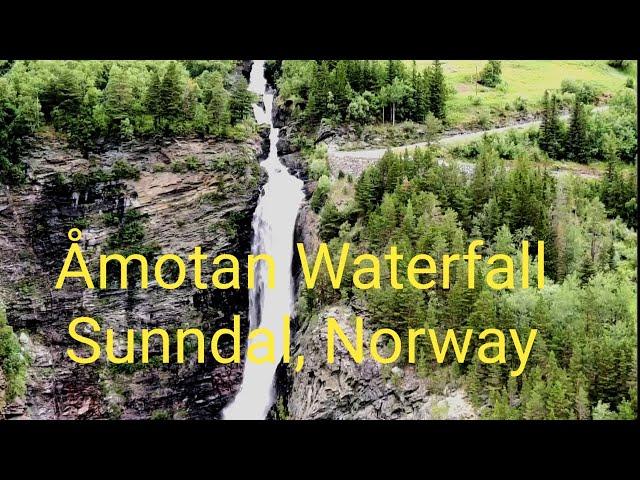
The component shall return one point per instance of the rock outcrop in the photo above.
(347, 390)
(157, 197)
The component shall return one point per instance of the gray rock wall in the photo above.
(183, 202)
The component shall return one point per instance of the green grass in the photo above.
(527, 79)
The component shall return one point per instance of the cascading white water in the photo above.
(273, 227)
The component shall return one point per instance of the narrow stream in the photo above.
(273, 228)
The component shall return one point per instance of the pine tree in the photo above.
(425, 91)
(577, 146)
(152, 99)
(218, 110)
(369, 190)
(330, 221)
(391, 171)
(437, 91)
(543, 136)
(587, 269)
(550, 138)
(170, 98)
(317, 107)
(582, 407)
(368, 76)
(559, 395)
(354, 69)
(483, 177)
(502, 409)
(383, 222)
(533, 393)
(340, 88)
(118, 95)
(556, 132)
(240, 101)
(63, 93)
(408, 227)
(394, 70)
(397, 309)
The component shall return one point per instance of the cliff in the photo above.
(143, 197)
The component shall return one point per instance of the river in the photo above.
(273, 229)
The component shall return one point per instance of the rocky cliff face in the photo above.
(347, 390)
(140, 197)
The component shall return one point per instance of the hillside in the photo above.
(522, 79)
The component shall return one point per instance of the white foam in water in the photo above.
(273, 225)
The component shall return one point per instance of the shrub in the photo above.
(321, 193)
(318, 165)
(179, 167)
(123, 170)
(475, 100)
(520, 105)
(192, 163)
(160, 415)
(585, 92)
(13, 361)
(491, 74)
(619, 64)
(483, 120)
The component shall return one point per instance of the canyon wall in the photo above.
(150, 197)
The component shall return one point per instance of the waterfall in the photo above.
(273, 228)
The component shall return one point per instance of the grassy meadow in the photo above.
(522, 80)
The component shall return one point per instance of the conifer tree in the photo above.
(501, 407)
(171, 92)
(550, 138)
(394, 70)
(369, 190)
(437, 91)
(397, 309)
(556, 131)
(354, 70)
(152, 99)
(408, 227)
(368, 76)
(317, 107)
(383, 222)
(391, 171)
(533, 396)
(577, 146)
(425, 91)
(340, 88)
(330, 221)
(240, 101)
(218, 110)
(582, 407)
(117, 95)
(543, 136)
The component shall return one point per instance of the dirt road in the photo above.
(354, 162)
